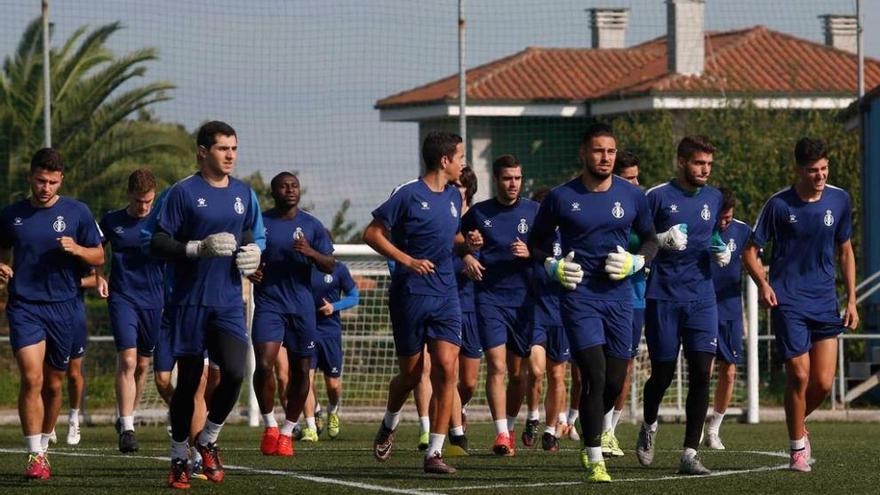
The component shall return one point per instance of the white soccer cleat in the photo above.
(73, 436)
(53, 438)
(713, 441)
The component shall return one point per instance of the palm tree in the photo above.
(100, 119)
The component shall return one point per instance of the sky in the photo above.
(298, 79)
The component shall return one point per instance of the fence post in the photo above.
(753, 377)
(253, 411)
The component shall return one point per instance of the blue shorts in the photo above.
(470, 336)
(80, 337)
(730, 341)
(504, 325)
(328, 354)
(54, 322)
(191, 326)
(134, 327)
(638, 323)
(796, 331)
(163, 361)
(417, 319)
(592, 322)
(297, 331)
(554, 341)
(670, 324)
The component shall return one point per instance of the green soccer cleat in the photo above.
(424, 440)
(309, 435)
(610, 447)
(333, 425)
(596, 472)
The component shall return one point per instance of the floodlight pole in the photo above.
(462, 83)
(860, 46)
(47, 83)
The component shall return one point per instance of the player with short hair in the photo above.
(728, 293)
(52, 237)
(422, 217)
(805, 223)
(595, 213)
(210, 230)
(680, 310)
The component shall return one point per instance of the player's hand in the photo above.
(473, 268)
(474, 240)
(674, 239)
(248, 258)
(301, 245)
(767, 296)
(219, 244)
(326, 309)
(257, 276)
(720, 251)
(519, 249)
(69, 245)
(565, 271)
(102, 286)
(5, 272)
(419, 267)
(851, 315)
(622, 264)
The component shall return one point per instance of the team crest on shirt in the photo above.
(557, 250)
(16, 221)
(575, 206)
(425, 205)
(59, 225)
(201, 203)
(617, 211)
(119, 230)
(829, 218)
(453, 210)
(792, 218)
(328, 278)
(238, 206)
(731, 245)
(298, 233)
(705, 214)
(523, 227)
(673, 208)
(487, 223)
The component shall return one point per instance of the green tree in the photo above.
(341, 229)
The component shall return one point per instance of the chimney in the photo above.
(608, 27)
(684, 36)
(841, 31)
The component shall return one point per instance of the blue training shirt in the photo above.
(506, 279)
(423, 224)
(804, 236)
(684, 275)
(728, 280)
(42, 271)
(331, 286)
(193, 210)
(287, 274)
(593, 224)
(547, 293)
(135, 276)
(465, 286)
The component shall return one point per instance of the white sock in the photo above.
(179, 449)
(287, 429)
(73, 417)
(310, 423)
(606, 421)
(715, 421)
(562, 418)
(318, 410)
(456, 431)
(194, 455)
(34, 443)
(391, 420)
(500, 426)
(435, 445)
(651, 427)
(572, 416)
(209, 433)
(127, 423)
(550, 429)
(269, 420)
(333, 409)
(594, 454)
(511, 422)
(615, 418)
(44, 442)
(799, 444)
(688, 453)
(534, 415)
(424, 424)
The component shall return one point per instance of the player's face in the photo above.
(220, 158)
(45, 185)
(697, 169)
(453, 166)
(140, 204)
(463, 192)
(814, 175)
(631, 175)
(286, 192)
(508, 184)
(725, 219)
(598, 156)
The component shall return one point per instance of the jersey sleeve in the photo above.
(844, 227)
(322, 242)
(346, 283)
(104, 226)
(172, 215)
(546, 221)
(87, 231)
(393, 210)
(255, 222)
(765, 227)
(644, 222)
(469, 221)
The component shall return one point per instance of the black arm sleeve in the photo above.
(650, 245)
(163, 246)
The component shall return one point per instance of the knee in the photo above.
(32, 382)
(798, 377)
(823, 384)
(730, 373)
(162, 380)
(537, 374)
(127, 364)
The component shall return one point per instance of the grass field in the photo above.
(844, 463)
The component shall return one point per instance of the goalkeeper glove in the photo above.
(248, 259)
(565, 271)
(720, 251)
(675, 239)
(622, 264)
(219, 244)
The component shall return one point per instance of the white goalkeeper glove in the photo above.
(219, 244)
(565, 271)
(622, 264)
(674, 239)
(720, 251)
(247, 259)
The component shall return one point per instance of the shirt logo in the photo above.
(298, 233)
(487, 223)
(792, 218)
(238, 206)
(705, 214)
(58, 225)
(575, 206)
(523, 227)
(453, 210)
(557, 250)
(311, 345)
(328, 279)
(334, 370)
(731, 245)
(201, 203)
(617, 211)
(673, 208)
(119, 230)
(16, 221)
(425, 205)
(829, 218)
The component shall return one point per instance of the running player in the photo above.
(51, 237)
(805, 223)
(136, 299)
(284, 307)
(595, 213)
(728, 293)
(680, 309)
(422, 217)
(503, 300)
(203, 221)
